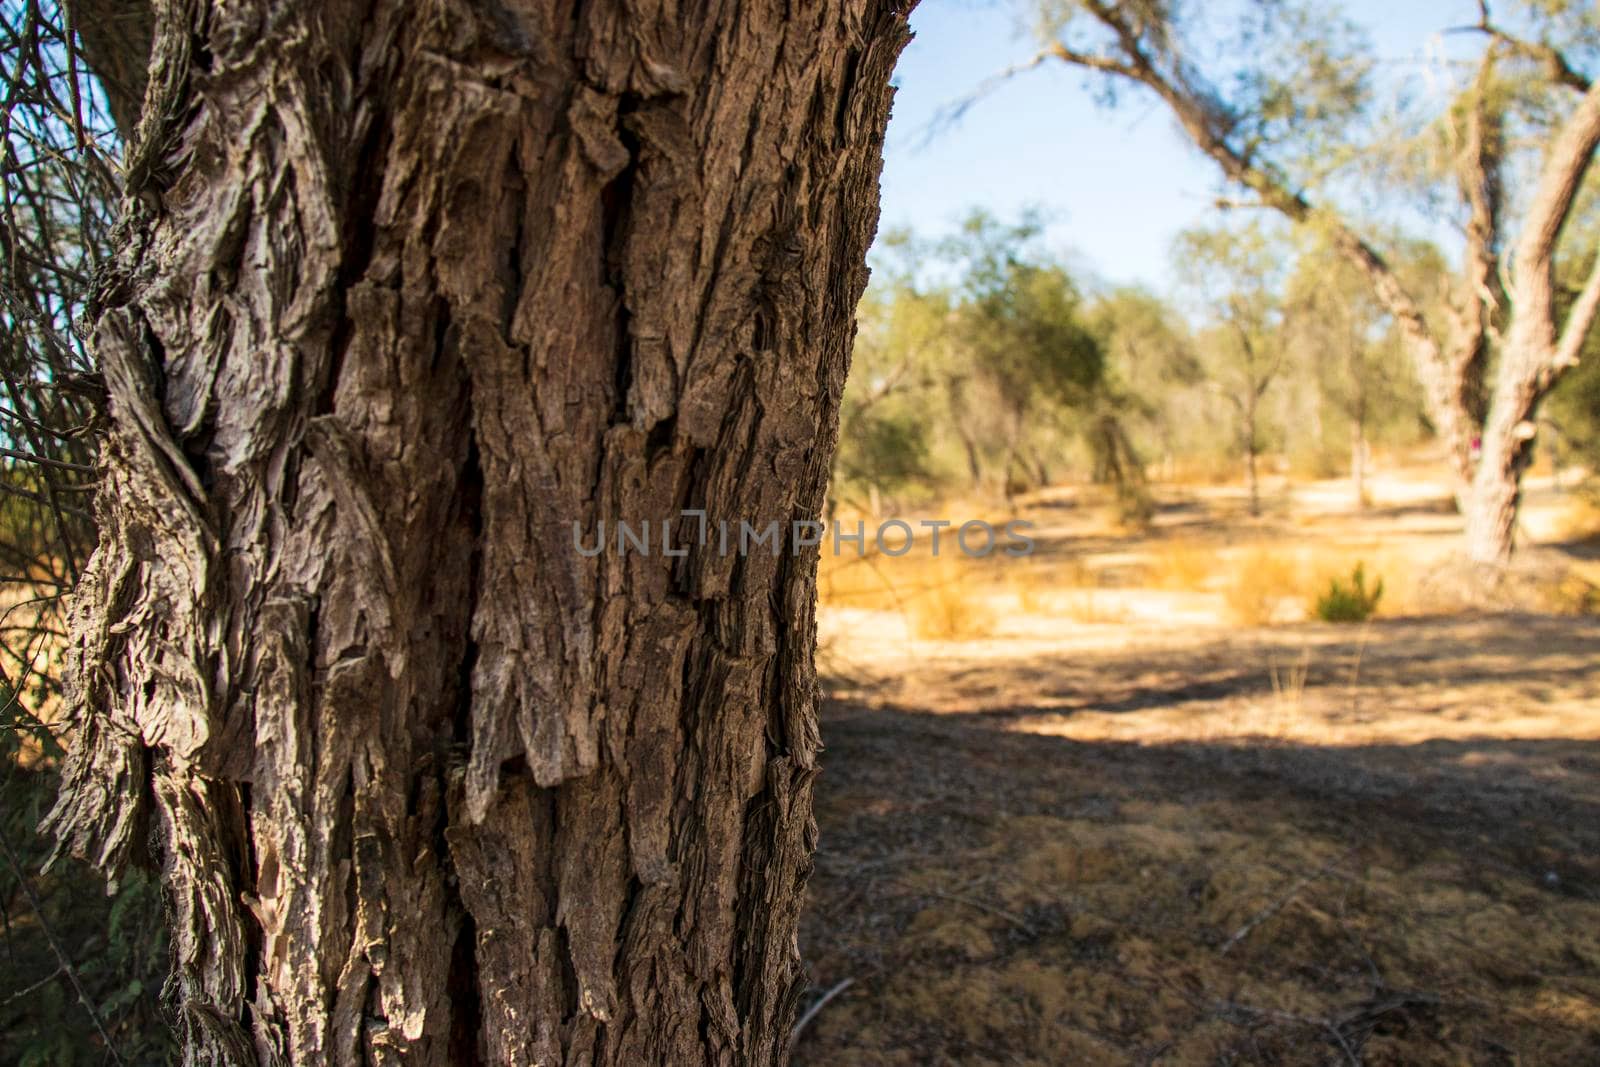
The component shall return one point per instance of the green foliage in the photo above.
(1348, 371)
(982, 362)
(1018, 315)
(1349, 601)
(1574, 405)
(888, 450)
(975, 361)
(114, 945)
(1283, 83)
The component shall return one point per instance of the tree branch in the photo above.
(1209, 126)
(1557, 69)
(1579, 320)
(1559, 180)
(116, 36)
(1200, 123)
(1541, 356)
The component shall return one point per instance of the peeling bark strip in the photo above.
(406, 290)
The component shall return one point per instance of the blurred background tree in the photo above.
(1239, 275)
(985, 364)
(1281, 97)
(981, 364)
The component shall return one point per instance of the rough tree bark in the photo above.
(406, 290)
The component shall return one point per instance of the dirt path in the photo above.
(1301, 845)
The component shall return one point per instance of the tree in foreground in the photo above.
(1279, 124)
(402, 294)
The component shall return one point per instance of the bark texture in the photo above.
(405, 291)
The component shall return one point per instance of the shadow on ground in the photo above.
(998, 895)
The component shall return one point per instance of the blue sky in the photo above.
(1117, 185)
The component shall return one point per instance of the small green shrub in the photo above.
(1349, 601)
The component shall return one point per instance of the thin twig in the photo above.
(47, 461)
(1282, 902)
(34, 988)
(956, 898)
(820, 1003)
(62, 960)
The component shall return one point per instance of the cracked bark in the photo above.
(402, 294)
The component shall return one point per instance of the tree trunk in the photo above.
(974, 464)
(1492, 505)
(1041, 467)
(405, 293)
(1507, 448)
(1254, 480)
(1538, 348)
(1358, 466)
(1359, 452)
(1251, 450)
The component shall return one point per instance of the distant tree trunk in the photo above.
(1358, 421)
(1254, 479)
(1495, 499)
(1530, 365)
(1041, 467)
(1252, 447)
(1358, 466)
(1011, 485)
(969, 446)
(1449, 363)
(405, 293)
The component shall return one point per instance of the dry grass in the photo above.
(1276, 581)
(1203, 563)
(1030, 586)
(1217, 833)
(1317, 845)
(949, 602)
(1579, 521)
(1179, 564)
(1095, 607)
(1264, 584)
(946, 597)
(1576, 592)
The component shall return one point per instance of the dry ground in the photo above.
(1141, 837)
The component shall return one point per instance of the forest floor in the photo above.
(1131, 809)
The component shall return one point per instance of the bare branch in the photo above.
(1579, 321)
(1565, 165)
(63, 961)
(1207, 129)
(1558, 70)
(116, 37)
(955, 111)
